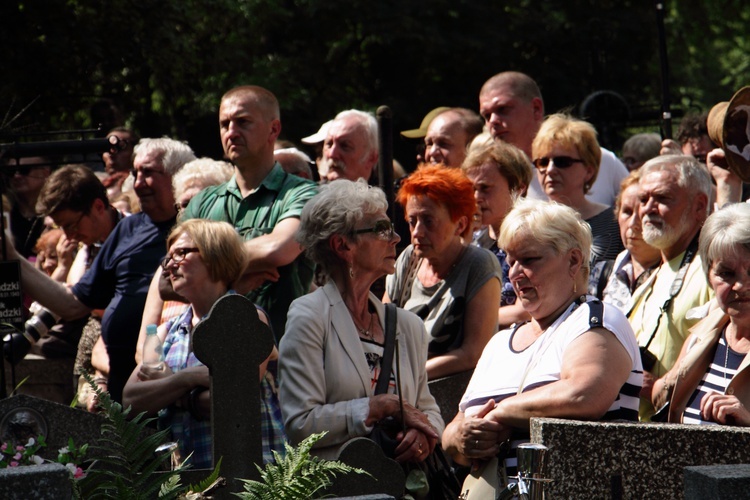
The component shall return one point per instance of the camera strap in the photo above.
(676, 286)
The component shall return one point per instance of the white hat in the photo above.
(318, 136)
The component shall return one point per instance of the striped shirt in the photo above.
(723, 367)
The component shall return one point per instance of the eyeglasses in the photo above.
(382, 228)
(177, 256)
(559, 162)
(73, 226)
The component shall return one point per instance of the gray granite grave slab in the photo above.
(717, 482)
(45, 378)
(61, 422)
(232, 342)
(448, 391)
(387, 475)
(38, 482)
(628, 460)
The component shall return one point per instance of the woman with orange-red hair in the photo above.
(440, 277)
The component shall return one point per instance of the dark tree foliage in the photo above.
(161, 66)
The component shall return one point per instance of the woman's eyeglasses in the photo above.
(542, 163)
(382, 228)
(177, 256)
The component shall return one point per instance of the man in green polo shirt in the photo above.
(261, 201)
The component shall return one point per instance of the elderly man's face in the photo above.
(153, 185)
(346, 151)
(445, 141)
(665, 209)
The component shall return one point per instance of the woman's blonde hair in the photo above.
(567, 131)
(550, 224)
(219, 245)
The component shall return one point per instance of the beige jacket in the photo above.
(684, 378)
(325, 381)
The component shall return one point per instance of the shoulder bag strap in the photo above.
(386, 364)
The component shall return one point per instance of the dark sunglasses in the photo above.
(22, 170)
(559, 161)
(382, 228)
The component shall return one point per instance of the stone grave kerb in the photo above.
(232, 342)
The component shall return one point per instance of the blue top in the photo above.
(118, 282)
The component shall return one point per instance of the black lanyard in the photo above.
(676, 286)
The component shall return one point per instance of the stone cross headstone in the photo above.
(232, 341)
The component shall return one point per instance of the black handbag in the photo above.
(384, 432)
(435, 469)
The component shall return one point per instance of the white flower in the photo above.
(31, 442)
(37, 459)
(71, 467)
(63, 451)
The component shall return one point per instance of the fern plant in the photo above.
(128, 464)
(296, 476)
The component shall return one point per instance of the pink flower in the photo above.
(17, 456)
(4, 447)
(78, 473)
(13, 464)
(19, 448)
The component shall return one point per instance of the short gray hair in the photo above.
(336, 209)
(691, 175)
(206, 171)
(551, 224)
(174, 154)
(366, 121)
(724, 234)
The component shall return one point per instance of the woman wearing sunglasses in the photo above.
(331, 355)
(203, 259)
(567, 156)
(440, 276)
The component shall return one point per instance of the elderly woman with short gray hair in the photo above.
(331, 355)
(708, 382)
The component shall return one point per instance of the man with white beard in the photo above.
(350, 150)
(674, 194)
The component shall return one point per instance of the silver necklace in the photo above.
(366, 332)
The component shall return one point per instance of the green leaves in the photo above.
(128, 464)
(298, 475)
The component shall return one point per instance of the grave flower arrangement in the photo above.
(16, 455)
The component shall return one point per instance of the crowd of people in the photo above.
(571, 283)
